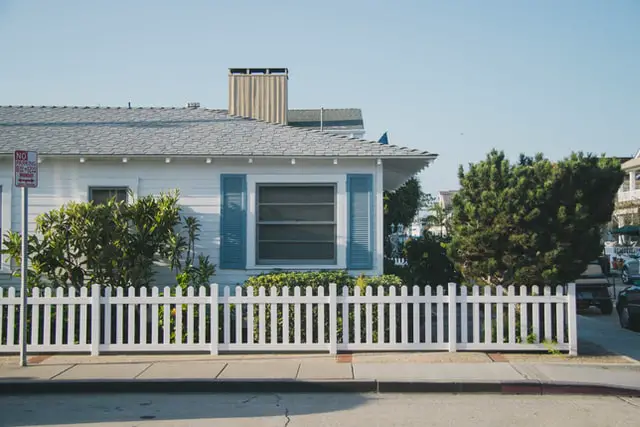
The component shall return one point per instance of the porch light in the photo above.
(250, 160)
(379, 162)
(81, 159)
(167, 160)
(125, 160)
(335, 161)
(293, 161)
(208, 160)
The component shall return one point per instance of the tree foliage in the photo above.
(115, 244)
(532, 222)
(402, 205)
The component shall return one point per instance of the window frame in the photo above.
(114, 188)
(6, 188)
(339, 180)
(334, 223)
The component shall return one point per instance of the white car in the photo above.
(630, 269)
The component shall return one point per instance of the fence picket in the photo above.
(464, 333)
(475, 291)
(369, 316)
(393, 319)
(143, 316)
(178, 316)
(560, 316)
(309, 314)
(428, 316)
(226, 313)
(202, 317)
(239, 316)
(536, 315)
(345, 315)
(512, 315)
(488, 315)
(262, 317)
(440, 314)
(416, 314)
(250, 315)
(131, 316)
(499, 315)
(274, 315)
(35, 317)
(155, 314)
(381, 319)
(321, 308)
(357, 327)
(190, 316)
(46, 324)
(71, 322)
(119, 316)
(166, 319)
(404, 313)
(524, 316)
(285, 316)
(547, 315)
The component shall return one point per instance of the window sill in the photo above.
(262, 267)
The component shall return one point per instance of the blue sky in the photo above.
(453, 77)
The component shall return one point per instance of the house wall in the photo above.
(65, 180)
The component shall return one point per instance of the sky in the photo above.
(454, 77)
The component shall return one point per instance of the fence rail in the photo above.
(451, 318)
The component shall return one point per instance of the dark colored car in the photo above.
(628, 307)
(592, 289)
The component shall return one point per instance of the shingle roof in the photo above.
(171, 132)
(332, 118)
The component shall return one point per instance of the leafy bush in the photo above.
(114, 244)
(314, 280)
(428, 262)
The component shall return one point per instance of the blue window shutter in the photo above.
(233, 221)
(360, 229)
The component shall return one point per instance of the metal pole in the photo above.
(321, 119)
(23, 277)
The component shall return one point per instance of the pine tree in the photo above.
(532, 222)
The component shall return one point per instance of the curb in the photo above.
(526, 387)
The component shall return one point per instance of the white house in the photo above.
(268, 195)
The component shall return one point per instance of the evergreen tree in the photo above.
(534, 222)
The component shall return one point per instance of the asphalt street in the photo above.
(317, 410)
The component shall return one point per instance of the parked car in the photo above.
(592, 289)
(628, 307)
(629, 264)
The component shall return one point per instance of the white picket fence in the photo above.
(99, 320)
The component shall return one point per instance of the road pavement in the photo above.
(232, 410)
(602, 333)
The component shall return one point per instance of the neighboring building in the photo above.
(269, 195)
(628, 197)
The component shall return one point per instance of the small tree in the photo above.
(533, 222)
(402, 205)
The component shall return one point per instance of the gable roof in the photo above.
(332, 118)
(104, 131)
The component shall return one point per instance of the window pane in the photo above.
(296, 194)
(289, 251)
(103, 195)
(296, 213)
(297, 233)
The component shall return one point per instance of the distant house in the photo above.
(338, 121)
(270, 193)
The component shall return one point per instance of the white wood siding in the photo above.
(65, 180)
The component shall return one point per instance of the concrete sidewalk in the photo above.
(400, 372)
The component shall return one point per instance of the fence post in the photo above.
(572, 319)
(453, 324)
(333, 318)
(215, 317)
(95, 320)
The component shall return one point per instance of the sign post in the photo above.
(25, 166)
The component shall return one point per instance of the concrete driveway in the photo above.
(598, 333)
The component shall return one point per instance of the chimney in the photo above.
(259, 93)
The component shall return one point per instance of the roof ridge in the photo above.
(111, 107)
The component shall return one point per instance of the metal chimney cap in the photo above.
(193, 105)
(258, 71)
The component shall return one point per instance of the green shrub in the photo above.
(302, 280)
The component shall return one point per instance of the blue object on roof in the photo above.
(384, 139)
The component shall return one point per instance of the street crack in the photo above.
(286, 410)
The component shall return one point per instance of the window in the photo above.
(104, 194)
(296, 224)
